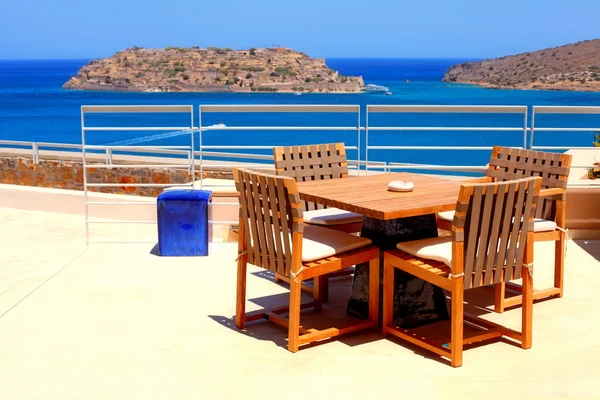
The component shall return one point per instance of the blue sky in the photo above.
(324, 28)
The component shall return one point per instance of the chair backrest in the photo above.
(270, 220)
(492, 221)
(508, 163)
(311, 163)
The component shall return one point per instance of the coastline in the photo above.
(208, 92)
(570, 67)
(535, 86)
(60, 108)
(272, 88)
(211, 69)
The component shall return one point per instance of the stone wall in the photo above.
(69, 175)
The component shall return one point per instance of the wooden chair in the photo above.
(318, 162)
(273, 236)
(492, 242)
(508, 163)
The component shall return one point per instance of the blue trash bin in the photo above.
(183, 228)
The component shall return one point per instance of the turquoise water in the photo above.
(33, 107)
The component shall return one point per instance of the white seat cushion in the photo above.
(320, 242)
(543, 225)
(446, 215)
(438, 249)
(539, 225)
(331, 216)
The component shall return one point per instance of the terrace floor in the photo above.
(115, 321)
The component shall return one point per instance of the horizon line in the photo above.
(333, 57)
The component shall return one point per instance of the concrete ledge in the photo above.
(583, 212)
(583, 197)
(578, 176)
(72, 202)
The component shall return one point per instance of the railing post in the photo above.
(193, 157)
(367, 140)
(358, 137)
(200, 150)
(108, 156)
(36, 153)
(532, 130)
(525, 129)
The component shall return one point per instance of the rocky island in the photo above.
(179, 69)
(570, 67)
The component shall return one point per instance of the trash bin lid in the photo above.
(200, 195)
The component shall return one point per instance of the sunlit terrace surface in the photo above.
(113, 320)
(116, 321)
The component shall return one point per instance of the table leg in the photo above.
(416, 302)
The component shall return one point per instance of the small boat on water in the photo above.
(388, 93)
(375, 88)
(220, 125)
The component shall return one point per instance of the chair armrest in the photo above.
(483, 179)
(551, 192)
(557, 195)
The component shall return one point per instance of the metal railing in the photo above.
(204, 152)
(210, 150)
(36, 149)
(539, 111)
(443, 109)
(561, 110)
(204, 155)
(85, 131)
(203, 110)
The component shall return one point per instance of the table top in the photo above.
(368, 195)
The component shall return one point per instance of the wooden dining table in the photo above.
(389, 218)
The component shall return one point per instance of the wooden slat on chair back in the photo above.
(271, 212)
(311, 163)
(492, 219)
(509, 163)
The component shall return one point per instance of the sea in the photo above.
(33, 107)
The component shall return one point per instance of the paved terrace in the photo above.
(114, 321)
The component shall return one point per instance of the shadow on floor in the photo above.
(154, 250)
(592, 247)
(267, 331)
(478, 302)
(332, 315)
(432, 328)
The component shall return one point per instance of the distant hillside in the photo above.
(571, 67)
(178, 69)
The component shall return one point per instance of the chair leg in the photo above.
(374, 289)
(325, 289)
(388, 296)
(294, 316)
(527, 311)
(456, 323)
(240, 307)
(499, 296)
(527, 306)
(559, 263)
(319, 283)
